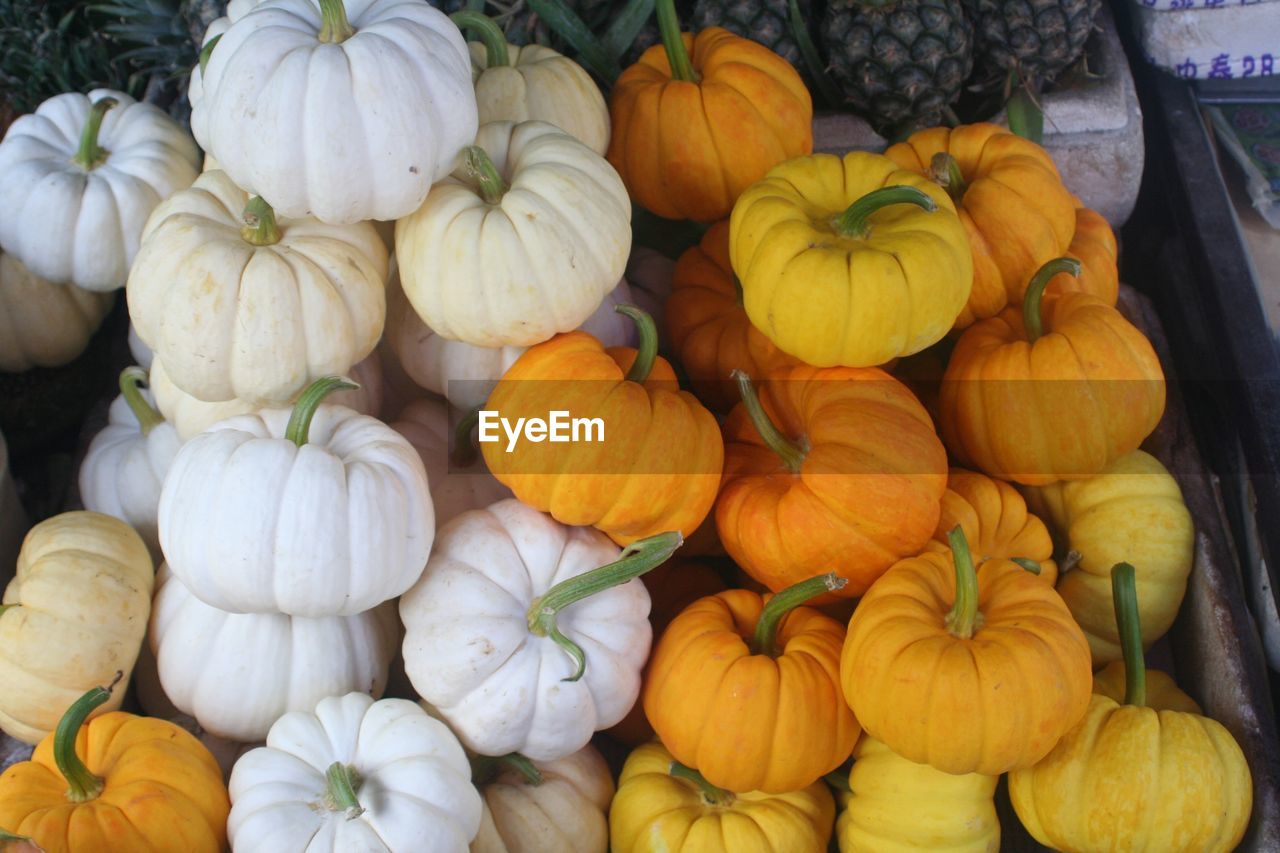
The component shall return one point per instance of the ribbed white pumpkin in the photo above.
(347, 129)
(405, 773)
(231, 319)
(125, 465)
(44, 324)
(236, 9)
(512, 267)
(254, 522)
(465, 374)
(191, 416)
(470, 652)
(79, 221)
(425, 423)
(561, 808)
(535, 83)
(236, 673)
(142, 354)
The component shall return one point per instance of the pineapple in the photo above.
(1037, 39)
(765, 21)
(901, 63)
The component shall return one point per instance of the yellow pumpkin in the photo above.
(1132, 512)
(664, 807)
(74, 615)
(895, 806)
(1131, 777)
(849, 261)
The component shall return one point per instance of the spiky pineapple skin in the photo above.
(1037, 38)
(765, 21)
(898, 63)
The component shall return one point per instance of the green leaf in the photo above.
(812, 60)
(1026, 119)
(626, 26)
(565, 22)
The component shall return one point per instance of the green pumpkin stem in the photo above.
(464, 449)
(673, 41)
(82, 784)
(259, 226)
(7, 607)
(963, 619)
(713, 795)
(485, 767)
(854, 221)
(90, 155)
(765, 639)
(207, 51)
(7, 837)
(305, 409)
(945, 172)
(1124, 595)
(792, 453)
(648, 349)
(341, 784)
(130, 380)
(636, 559)
(1027, 564)
(334, 26)
(495, 43)
(1031, 319)
(480, 166)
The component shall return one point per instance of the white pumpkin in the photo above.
(367, 105)
(125, 464)
(236, 9)
(44, 324)
(142, 354)
(521, 243)
(354, 775)
(425, 424)
(254, 313)
(546, 806)
(503, 685)
(77, 185)
(191, 416)
(535, 83)
(236, 673)
(334, 518)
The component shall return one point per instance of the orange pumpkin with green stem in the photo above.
(700, 118)
(828, 469)
(143, 784)
(1055, 391)
(709, 327)
(1094, 245)
(657, 465)
(748, 691)
(966, 671)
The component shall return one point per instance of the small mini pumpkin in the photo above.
(43, 324)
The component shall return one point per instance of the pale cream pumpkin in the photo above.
(44, 324)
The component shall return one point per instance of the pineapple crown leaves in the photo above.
(157, 35)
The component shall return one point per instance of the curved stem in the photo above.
(765, 639)
(1124, 595)
(792, 453)
(480, 166)
(1028, 564)
(130, 380)
(464, 449)
(259, 227)
(207, 51)
(1035, 292)
(853, 222)
(945, 172)
(334, 26)
(495, 42)
(964, 618)
(713, 795)
(673, 41)
(89, 155)
(485, 767)
(82, 784)
(648, 349)
(341, 784)
(305, 409)
(636, 559)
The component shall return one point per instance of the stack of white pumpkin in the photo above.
(290, 524)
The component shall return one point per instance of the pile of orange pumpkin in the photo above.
(917, 547)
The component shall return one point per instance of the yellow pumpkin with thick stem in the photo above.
(1131, 777)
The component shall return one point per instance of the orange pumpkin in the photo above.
(969, 672)
(1010, 198)
(996, 524)
(1163, 693)
(143, 784)
(828, 469)
(1037, 400)
(748, 692)
(653, 465)
(700, 118)
(709, 327)
(1094, 246)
